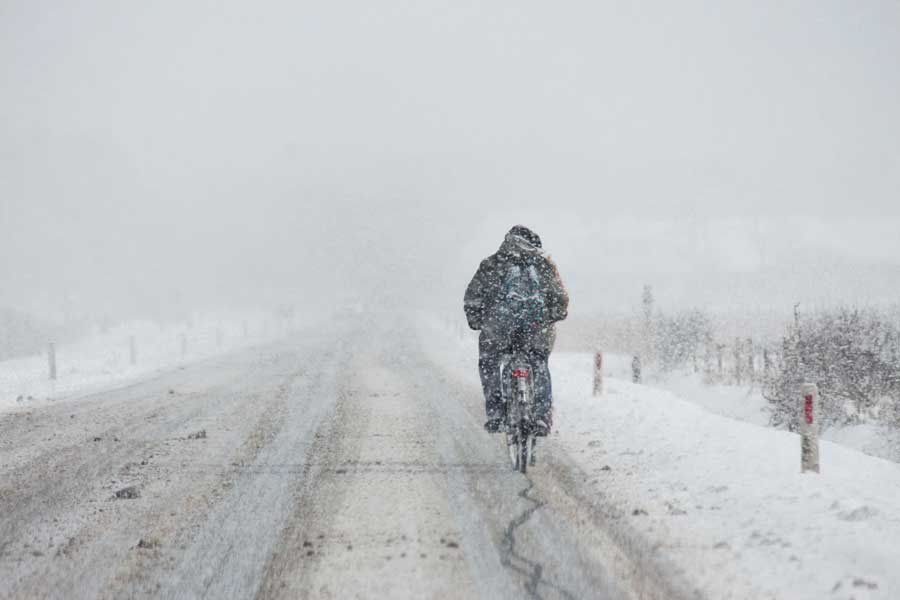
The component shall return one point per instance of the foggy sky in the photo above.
(166, 154)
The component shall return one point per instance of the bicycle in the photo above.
(517, 389)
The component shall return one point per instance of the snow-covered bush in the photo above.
(854, 357)
(680, 339)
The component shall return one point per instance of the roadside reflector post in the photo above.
(51, 360)
(598, 373)
(810, 412)
(636, 369)
(132, 350)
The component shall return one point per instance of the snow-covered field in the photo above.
(746, 403)
(726, 499)
(722, 499)
(738, 402)
(103, 360)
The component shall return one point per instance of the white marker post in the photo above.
(810, 411)
(598, 373)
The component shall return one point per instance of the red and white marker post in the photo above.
(598, 373)
(810, 412)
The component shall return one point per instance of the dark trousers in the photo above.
(491, 350)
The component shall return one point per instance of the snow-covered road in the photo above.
(344, 463)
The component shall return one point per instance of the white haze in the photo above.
(159, 156)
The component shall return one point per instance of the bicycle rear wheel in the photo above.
(513, 447)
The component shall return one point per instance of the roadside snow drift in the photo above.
(101, 361)
(726, 500)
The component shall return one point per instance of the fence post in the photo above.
(51, 360)
(598, 373)
(132, 350)
(636, 369)
(810, 412)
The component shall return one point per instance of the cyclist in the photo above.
(516, 294)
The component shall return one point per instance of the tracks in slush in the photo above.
(532, 570)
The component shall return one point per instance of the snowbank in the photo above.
(726, 500)
(746, 403)
(104, 360)
(737, 402)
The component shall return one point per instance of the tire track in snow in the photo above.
(531, 569)
(483, 500)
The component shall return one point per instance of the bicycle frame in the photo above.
(517, 388)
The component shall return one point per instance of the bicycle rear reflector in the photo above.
(520, 373)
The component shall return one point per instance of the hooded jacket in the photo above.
(485, 291)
